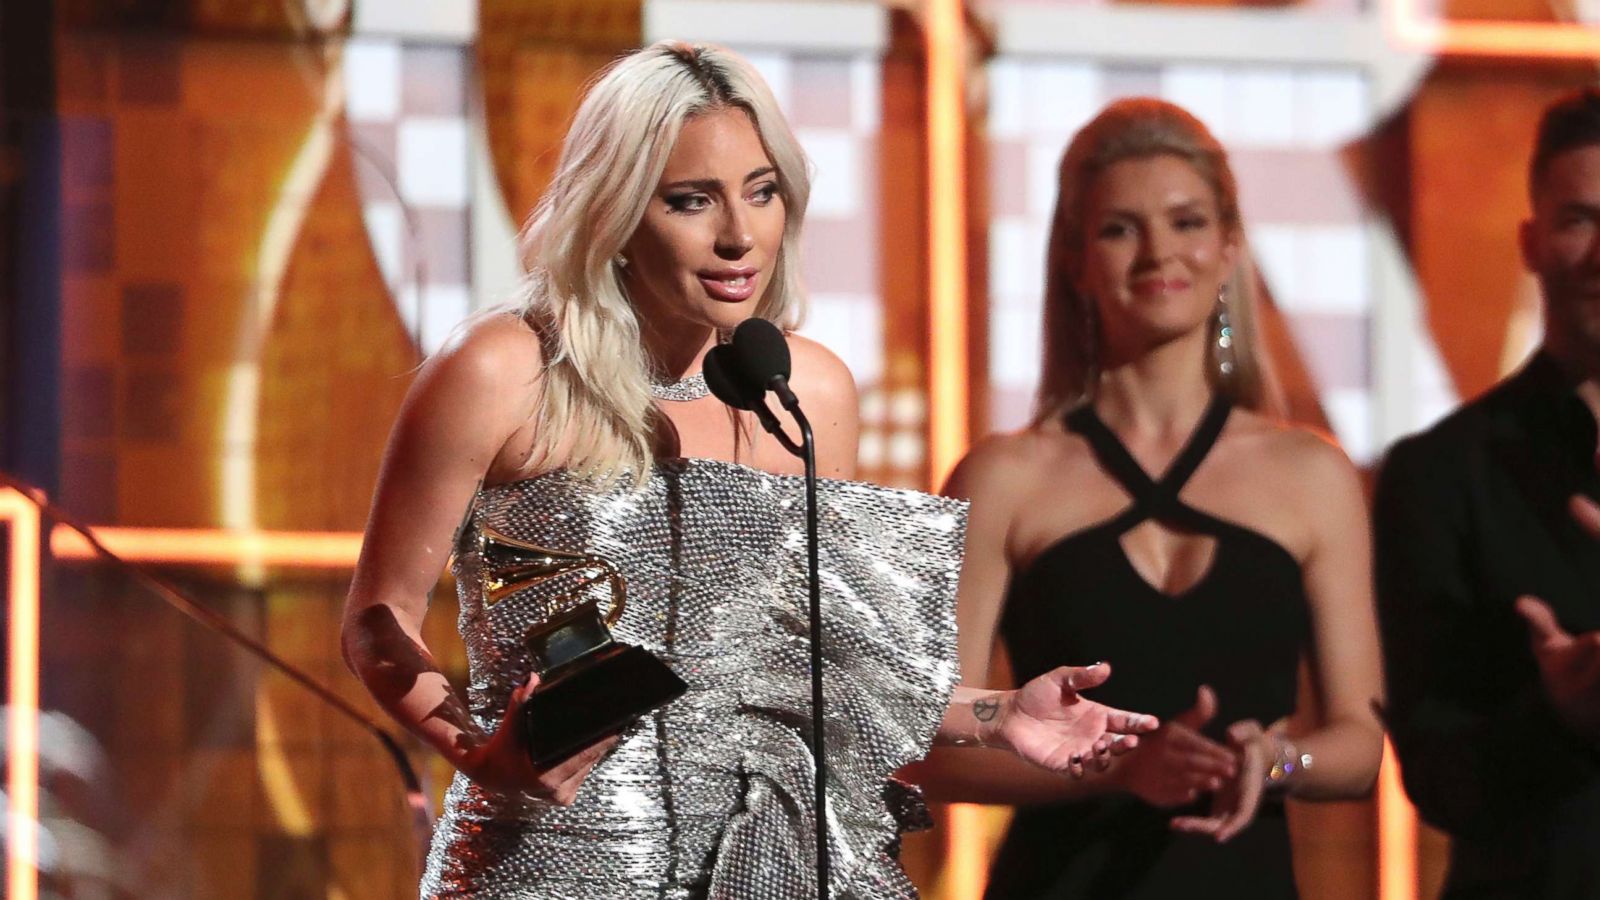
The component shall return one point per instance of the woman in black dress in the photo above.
(1154, 516)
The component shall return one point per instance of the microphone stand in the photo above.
(807, 451)
(734, 384)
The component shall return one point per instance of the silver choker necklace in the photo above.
(691, 388)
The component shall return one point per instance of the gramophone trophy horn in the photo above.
(590, 685)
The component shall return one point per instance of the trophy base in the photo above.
(600, 695)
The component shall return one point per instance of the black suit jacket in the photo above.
(1469, 516)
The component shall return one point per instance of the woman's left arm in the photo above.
(1338, 759)
(1346, 667)
(1046, 722)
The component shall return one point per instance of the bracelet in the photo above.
(1287, 764)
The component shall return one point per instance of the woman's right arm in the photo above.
(462, 408)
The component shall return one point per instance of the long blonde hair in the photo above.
(1139, 128)
(596, 386)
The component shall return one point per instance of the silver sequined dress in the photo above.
(711, 796)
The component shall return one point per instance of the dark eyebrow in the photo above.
(711, 185)
(699, 184)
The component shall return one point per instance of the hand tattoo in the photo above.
(985, 710)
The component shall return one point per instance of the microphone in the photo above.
(740, 373)
(728, 381)
(762, 354)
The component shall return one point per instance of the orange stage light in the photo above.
(1397, 833)
(1414, 30)
(22, 718)
(210, 546)
(966, 863)
(944, 29)
(945, 35)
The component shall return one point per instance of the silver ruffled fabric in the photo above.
(711, 797)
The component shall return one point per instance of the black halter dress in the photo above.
(1240, 629)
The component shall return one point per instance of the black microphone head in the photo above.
(724, 378)
(761, 351)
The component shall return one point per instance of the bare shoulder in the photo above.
(1003, 466)
(818, 369)
(820, 376)
(490, 364)
(1305, 460)
(490, 345)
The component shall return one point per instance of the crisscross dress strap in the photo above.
(1153, 498)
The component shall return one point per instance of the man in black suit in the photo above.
(1494, 696)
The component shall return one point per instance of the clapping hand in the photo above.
(1177, 763)
(1234, 807)
(1586, 513)
(1569, 664)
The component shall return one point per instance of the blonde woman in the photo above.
(580, 422)
(1156, 515)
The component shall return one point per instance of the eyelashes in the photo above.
(687, 203)
(1115, 230)
(696, 201)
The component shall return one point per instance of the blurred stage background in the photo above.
(232, 228)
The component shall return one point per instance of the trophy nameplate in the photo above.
(590, 685)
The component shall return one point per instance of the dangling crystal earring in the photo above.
(1224, 335)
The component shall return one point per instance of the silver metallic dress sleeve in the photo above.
(711, 797)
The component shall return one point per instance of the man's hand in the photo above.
(1569, 665)
(1586, 513)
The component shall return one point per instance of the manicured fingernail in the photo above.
(1076, 759)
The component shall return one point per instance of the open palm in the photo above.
(1050, 724)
